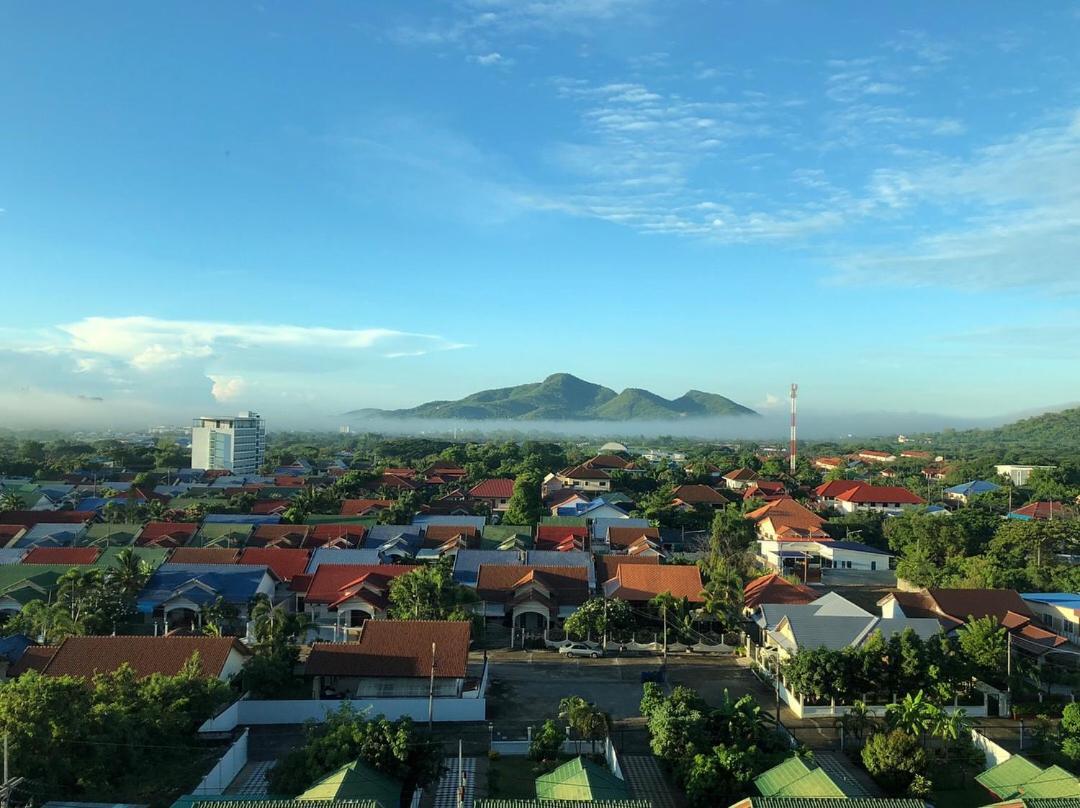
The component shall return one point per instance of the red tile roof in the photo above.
(395, 481)
(584, 473)
(880, 493)
(744, 474)
(559, 532)
(775, 589)
(607, 461)
(166, 534)
(71, 556)
(34, 658)
(85, 656)
(331, 582)
(285, 563)
(360, 507)
(445, 532)
(786, 512)
(1041, 511)
(493, 489)
(343, 535)
(9, 532)
(279, 535)
(31, 518)
(268, 506)
(640, 582)
(204, 555)
(397, 648)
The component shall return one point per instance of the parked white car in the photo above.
(581, 649)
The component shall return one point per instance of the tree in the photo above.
(893, 759)
(525, 506)
(394, 748)
(950, 727)
(913, 715)
(726, 771)
(12, 501)
(430, 593)
(546, 743)
(723, 595)
(983, 642)
(584, 718)
(601, 617)
(857, 722)
(652, 696)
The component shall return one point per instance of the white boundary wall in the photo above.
(247, 712)
(994, 753)
(226, 769)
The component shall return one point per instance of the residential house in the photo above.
(1019, 475)
(568, 499)
(609, 462)
(348, 595)
(634, 540)
(1017, 778)
(62, 556)
(334, 535)
(394, 542)
(22, 583)
(581, 780)
(467, 563)
(393, 659)
(354, 785)
(271, 506)
(964, 492)
(531, 599)
(364, 507)
(219, 657)
(111, 534)
(850, 496)
(775, 589)
(765, 490)
(283, 536)
(740, 478)
(800, 779)
(1043, 512)
(564, 558)
(688, 497)
(831, 622)
(874, 456)
(954, 607)
(285, 563)
(607, 566)
(829, 463)
(494, 493)
(342, 555)
(561, 538)
(167, 534)
(222, 535)
(10, 534)
(785, 520)
(177, 593)
(601, 508)
(1057, 611)
(640, 583)
(47, 534)
(584, 478)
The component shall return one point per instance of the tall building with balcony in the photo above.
(237, 444)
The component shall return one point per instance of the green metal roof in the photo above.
(229, 801)
(563, 804)
(1006, 779)
(1042, 802)
(222, 534)
(355, 781)
(581, 779)
(1052, 782)
(26, 582)
(104, 534)
(154, 556)
(833, 802)
(796, 778)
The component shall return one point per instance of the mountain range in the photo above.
(562, 397)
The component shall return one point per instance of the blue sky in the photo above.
(309, 209)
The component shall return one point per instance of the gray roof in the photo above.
(50, 534)
(572, 558)
(856, 546)
(600, 526)
(467, 563)
(836, 633)
(12, 555)
(438, 519)
(769, 615)
(331, 555)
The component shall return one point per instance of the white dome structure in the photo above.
(613, 446)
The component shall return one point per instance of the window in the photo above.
(1048, 620)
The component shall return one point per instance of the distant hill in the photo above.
(1050, 435)
(562, 397)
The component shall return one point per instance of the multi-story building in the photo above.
(235, 443)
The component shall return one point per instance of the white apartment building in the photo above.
(235, 443)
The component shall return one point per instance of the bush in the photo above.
(546, 743)
(652, 696)
(893, 759)
(1070, 719)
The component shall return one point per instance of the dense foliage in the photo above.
(395, 748)
(113, 738)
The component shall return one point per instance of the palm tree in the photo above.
(723, 595)
(858, 722)
(12, 501)
(583, 717)
(950, 727)
(129, 571)
(155, 510)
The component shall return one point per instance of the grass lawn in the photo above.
(514, 777)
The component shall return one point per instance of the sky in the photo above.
(305, 209)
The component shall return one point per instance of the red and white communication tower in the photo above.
(794, 423)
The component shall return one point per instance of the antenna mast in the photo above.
(791, 447)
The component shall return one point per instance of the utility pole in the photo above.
(461, 776)
(665, 632)
(794, 432)
(431, 691)
(9, 784)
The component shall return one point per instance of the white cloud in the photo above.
(227, 388)
(490, 59)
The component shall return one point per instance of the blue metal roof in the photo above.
(332, 555)
(1070, 599)
(236, 583)
(973, 487)
(439, 519)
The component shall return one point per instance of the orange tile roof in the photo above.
(639, 582)
(496, 582)
(286, 563)
(608, 565)
(34, 658)
(359, 507)
(331, 581)
(166, 534)
(493, 489)
(786, 512)
(204, 555)
(773, 588)
(699, 495)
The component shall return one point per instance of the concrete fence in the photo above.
(648, 647)
(226, 769)
(249, 712)
(993, 752)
